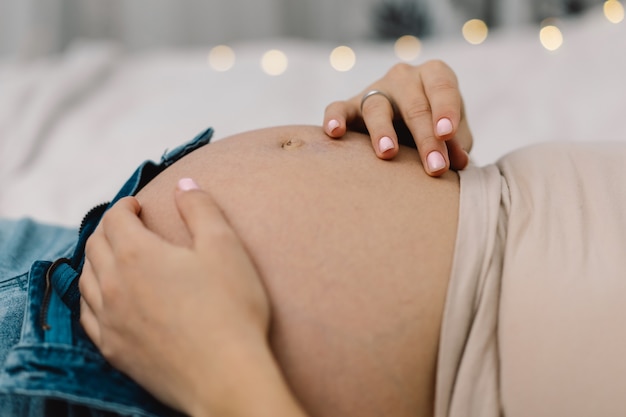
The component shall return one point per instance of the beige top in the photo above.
(534, 323)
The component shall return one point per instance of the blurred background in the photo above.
(91, 88)
(31, 28)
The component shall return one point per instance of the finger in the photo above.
(123, 228)
(335, 119)
(98, 253)
(201, 214)
(459, 158)
(442, 90)
(89, 322)
(464, 134)
(90, 287)
(338, 116)
(378, 116)
(416, 113)
(460, 146)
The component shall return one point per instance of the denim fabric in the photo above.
(49, 367)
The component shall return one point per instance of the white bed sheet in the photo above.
(73, 127)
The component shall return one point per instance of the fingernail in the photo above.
(186, 184)
(444, 126)
(384, 144)
(332, 125)
(435, 161)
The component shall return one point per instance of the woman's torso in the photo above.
(355, 253)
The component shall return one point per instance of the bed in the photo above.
(74, 126)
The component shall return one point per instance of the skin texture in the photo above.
(354, 253)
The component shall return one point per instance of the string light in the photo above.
(614, 11)
(407, 47)
(342, 58)
(274, 62)
(550, 36)
(221, 58)
(475, 31)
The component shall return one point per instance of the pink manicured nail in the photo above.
(444, 127)
(186, 184)
(332, 125)
(435, 161)
(384, 144)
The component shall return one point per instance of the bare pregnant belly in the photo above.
(355, 254)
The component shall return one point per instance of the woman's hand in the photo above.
(427, 99)
(181, 321)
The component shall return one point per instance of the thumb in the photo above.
(201, 214)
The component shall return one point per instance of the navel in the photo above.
(292, 143)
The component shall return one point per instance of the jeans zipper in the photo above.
(43, 315)
(86, 217)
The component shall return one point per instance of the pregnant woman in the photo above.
(312, 277)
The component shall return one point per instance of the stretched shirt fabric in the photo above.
(535, 317)
(48, 365)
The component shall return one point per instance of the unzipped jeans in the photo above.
(48, 365)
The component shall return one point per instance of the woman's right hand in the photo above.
(184, 322)
(427, 99)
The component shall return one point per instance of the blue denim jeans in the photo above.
(48, 365)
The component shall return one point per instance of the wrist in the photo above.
(247, 382)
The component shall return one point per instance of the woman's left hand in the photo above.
(173, 317)
(426, 98)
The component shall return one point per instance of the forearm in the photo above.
(249, 384)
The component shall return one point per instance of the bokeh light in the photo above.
(342, 58)
(221, 58)
(407, 47)
(551, 37)
(614, 11)
(274, 62)
(475, 31)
